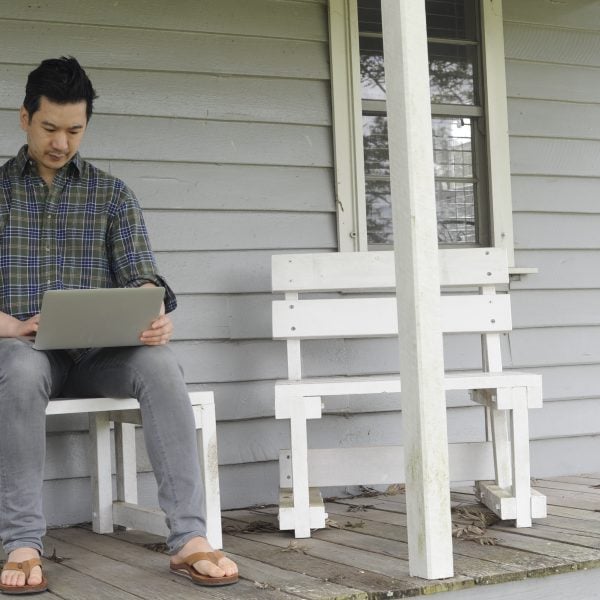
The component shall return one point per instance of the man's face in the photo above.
(54, 134)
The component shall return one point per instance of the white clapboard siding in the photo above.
(548, 156)
(560, 269)
(547, 193)
(576, 14)
(250, 143)
(234, 98)
(222, 316)
(553, 118)
(555, 308)
(195, 230)
(551, 44)
(538, 231)
(302, 20)
(569, 83)
(164, 50)
(218, 186)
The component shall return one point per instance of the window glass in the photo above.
(454, 63)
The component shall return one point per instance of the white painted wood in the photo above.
(203, 230)
(390, 383)
(227, 142)
(534, 231)
(546, 118)
(372, 317)
(551, 82)
(546, 193)
(286, 516)
(373, 270)
(552, 157)
(520, 455)
(551, 45)
(295, 318)
(302, 20)
(299, 443)
(378, 465)
(62, 406)
(415, 234)
(101, 473)
(504, 505)
(125, 462)
(234, 98)
(575, 14)
(497, 127)
(133, 516)
(128, 513)
(347, 119)
(204, 414)
(166, 50)
(209, 186)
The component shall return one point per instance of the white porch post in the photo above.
(418, 288)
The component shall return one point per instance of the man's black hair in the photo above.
(61, 80)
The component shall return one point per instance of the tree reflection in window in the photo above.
(454, 52)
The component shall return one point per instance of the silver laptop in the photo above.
(96, 318)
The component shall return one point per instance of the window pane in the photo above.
(371, 68)
(452, 72)
(454, 19)
(369, 15)
(379, 211)
(455, 185)
(375, 145)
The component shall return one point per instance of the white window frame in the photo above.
(347, 126)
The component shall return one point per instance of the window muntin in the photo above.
(457, 122)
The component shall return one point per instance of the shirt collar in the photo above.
(23, 162)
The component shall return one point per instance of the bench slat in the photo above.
(375, 270)
(373, 317)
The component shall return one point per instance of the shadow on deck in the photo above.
(362, 554)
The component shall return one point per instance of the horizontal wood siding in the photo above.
(218, 114)
(553, 80)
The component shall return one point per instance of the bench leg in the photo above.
(520, 452)
(101, 473)
(126, 463)
(503, 462)
(206, 431)
(299, 443)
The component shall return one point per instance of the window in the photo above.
(458, 122)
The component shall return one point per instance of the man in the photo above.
(65, 224)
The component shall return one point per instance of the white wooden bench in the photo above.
(353, 313)
(124, 510)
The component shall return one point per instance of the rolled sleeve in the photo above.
(132, 259)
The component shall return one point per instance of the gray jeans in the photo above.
(29, 378)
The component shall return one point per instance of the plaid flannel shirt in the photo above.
(86, 231)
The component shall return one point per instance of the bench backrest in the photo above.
(471, 305)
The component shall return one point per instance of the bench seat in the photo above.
(125, 415)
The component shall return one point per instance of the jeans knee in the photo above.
(23, 370)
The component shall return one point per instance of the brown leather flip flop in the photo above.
(25, 567)
(186, 569)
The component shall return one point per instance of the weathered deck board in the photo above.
(361, 555)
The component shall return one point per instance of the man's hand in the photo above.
(11, 327)
(160, 331)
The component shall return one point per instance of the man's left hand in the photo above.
(160, 331)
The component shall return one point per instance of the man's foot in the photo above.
(224, 567)
(17, 579)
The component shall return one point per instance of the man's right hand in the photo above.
(11, 327)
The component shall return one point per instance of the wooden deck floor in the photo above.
(363, 554)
